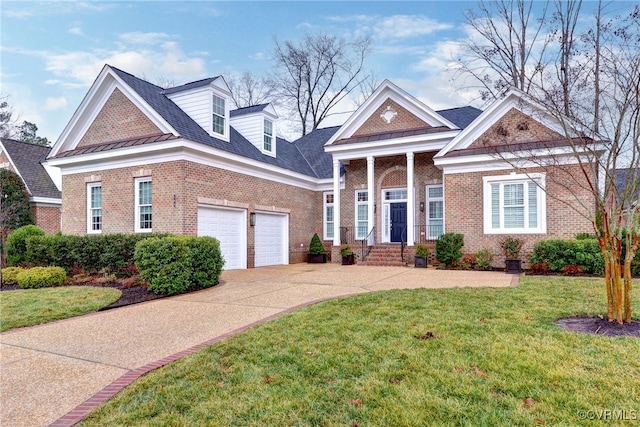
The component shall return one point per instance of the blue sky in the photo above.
(51, 52)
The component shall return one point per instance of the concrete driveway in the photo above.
(54, 374)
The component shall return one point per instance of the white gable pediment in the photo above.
(385, 92)
(99, 93)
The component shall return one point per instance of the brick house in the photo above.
(137, 158)
(26, 159)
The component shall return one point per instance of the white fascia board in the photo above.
(176, 150)
(416, 144)
(387, 90)
(93, 102)
(41, 201)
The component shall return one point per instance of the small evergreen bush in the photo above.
(559, 253)
(17, 243)
(316, 247)
(10, 275)
(448, 249)
(484, 259)
(422, 251)
(41, 277)
(176, 264)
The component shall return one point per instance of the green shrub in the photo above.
(448, 249)
(175, 264)
(585, 236)
(484, 259)
(422, 251)
(17, 243)
(316, 247)
(559, 253)
(41, 277)
(511, 247)
(10, 275)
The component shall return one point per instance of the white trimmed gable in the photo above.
(198, 102)
(513, 99)
(99, 93)
(252, 127)
(389, 91)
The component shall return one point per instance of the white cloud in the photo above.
(259, 56)
(48, 8)
(404, 26)
(138, 37)
(52, 104)
(75, 30)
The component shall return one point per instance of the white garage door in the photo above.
(271, 239)
(228, 226)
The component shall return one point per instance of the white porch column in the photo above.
(411, 208)
(336, 202)
(372, 198)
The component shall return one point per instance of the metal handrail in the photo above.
(403, 242)
(367, 244)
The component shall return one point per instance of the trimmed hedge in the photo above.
(17, 243)
(448, 249)
(559, 253)
(108, 253)
(10, 275)
(176, 264)
(41, 277)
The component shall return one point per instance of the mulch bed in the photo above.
(600, 326)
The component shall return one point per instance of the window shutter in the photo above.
(495, 206)
(533, 205)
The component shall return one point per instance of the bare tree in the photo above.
(314, 75)
(7, 118)
(248, 90)
(506, 48)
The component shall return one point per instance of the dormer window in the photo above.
(218, 115)
(268, 136)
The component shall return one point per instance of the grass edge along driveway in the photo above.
(465, 356)
(28, 307)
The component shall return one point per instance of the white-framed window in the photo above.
(328, 218)
(94, 207)
(219, 115)
(144, 211)
(362, 214)
(515, 204)
(435, 211)
(267, 144)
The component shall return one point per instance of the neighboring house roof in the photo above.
(460, 116)
(26, 158)
(248, 110)
(621, 179)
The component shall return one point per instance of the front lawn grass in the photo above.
(496, 358)
(27, 307)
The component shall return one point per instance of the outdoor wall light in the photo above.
(421, 206)
(252, 219)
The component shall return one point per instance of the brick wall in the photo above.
(118, 119)
(515, 127)
(177, 187)
(47, 218)
(4, 159)
(464, 210)
(404, 120)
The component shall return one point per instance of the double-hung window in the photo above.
(435, 211)
(94, 207)
(328, 218)
(515, 204)
(268, 136)
(362, 214)
(143, 205)
(219, 114)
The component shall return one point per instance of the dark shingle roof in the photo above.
(27, 157)
(248, 110)
(312, 148)
(460, 116)
(287, 155)
(191, 85)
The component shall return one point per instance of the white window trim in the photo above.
(357, 203)
(90, 208)
(324, 215)
(539, 179)
(273, 138)
(426, 210)
(137, 205)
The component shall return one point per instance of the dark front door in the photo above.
(398, 221)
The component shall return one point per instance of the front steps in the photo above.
(387, 255)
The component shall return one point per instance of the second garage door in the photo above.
(271, 239)
(229, 227)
